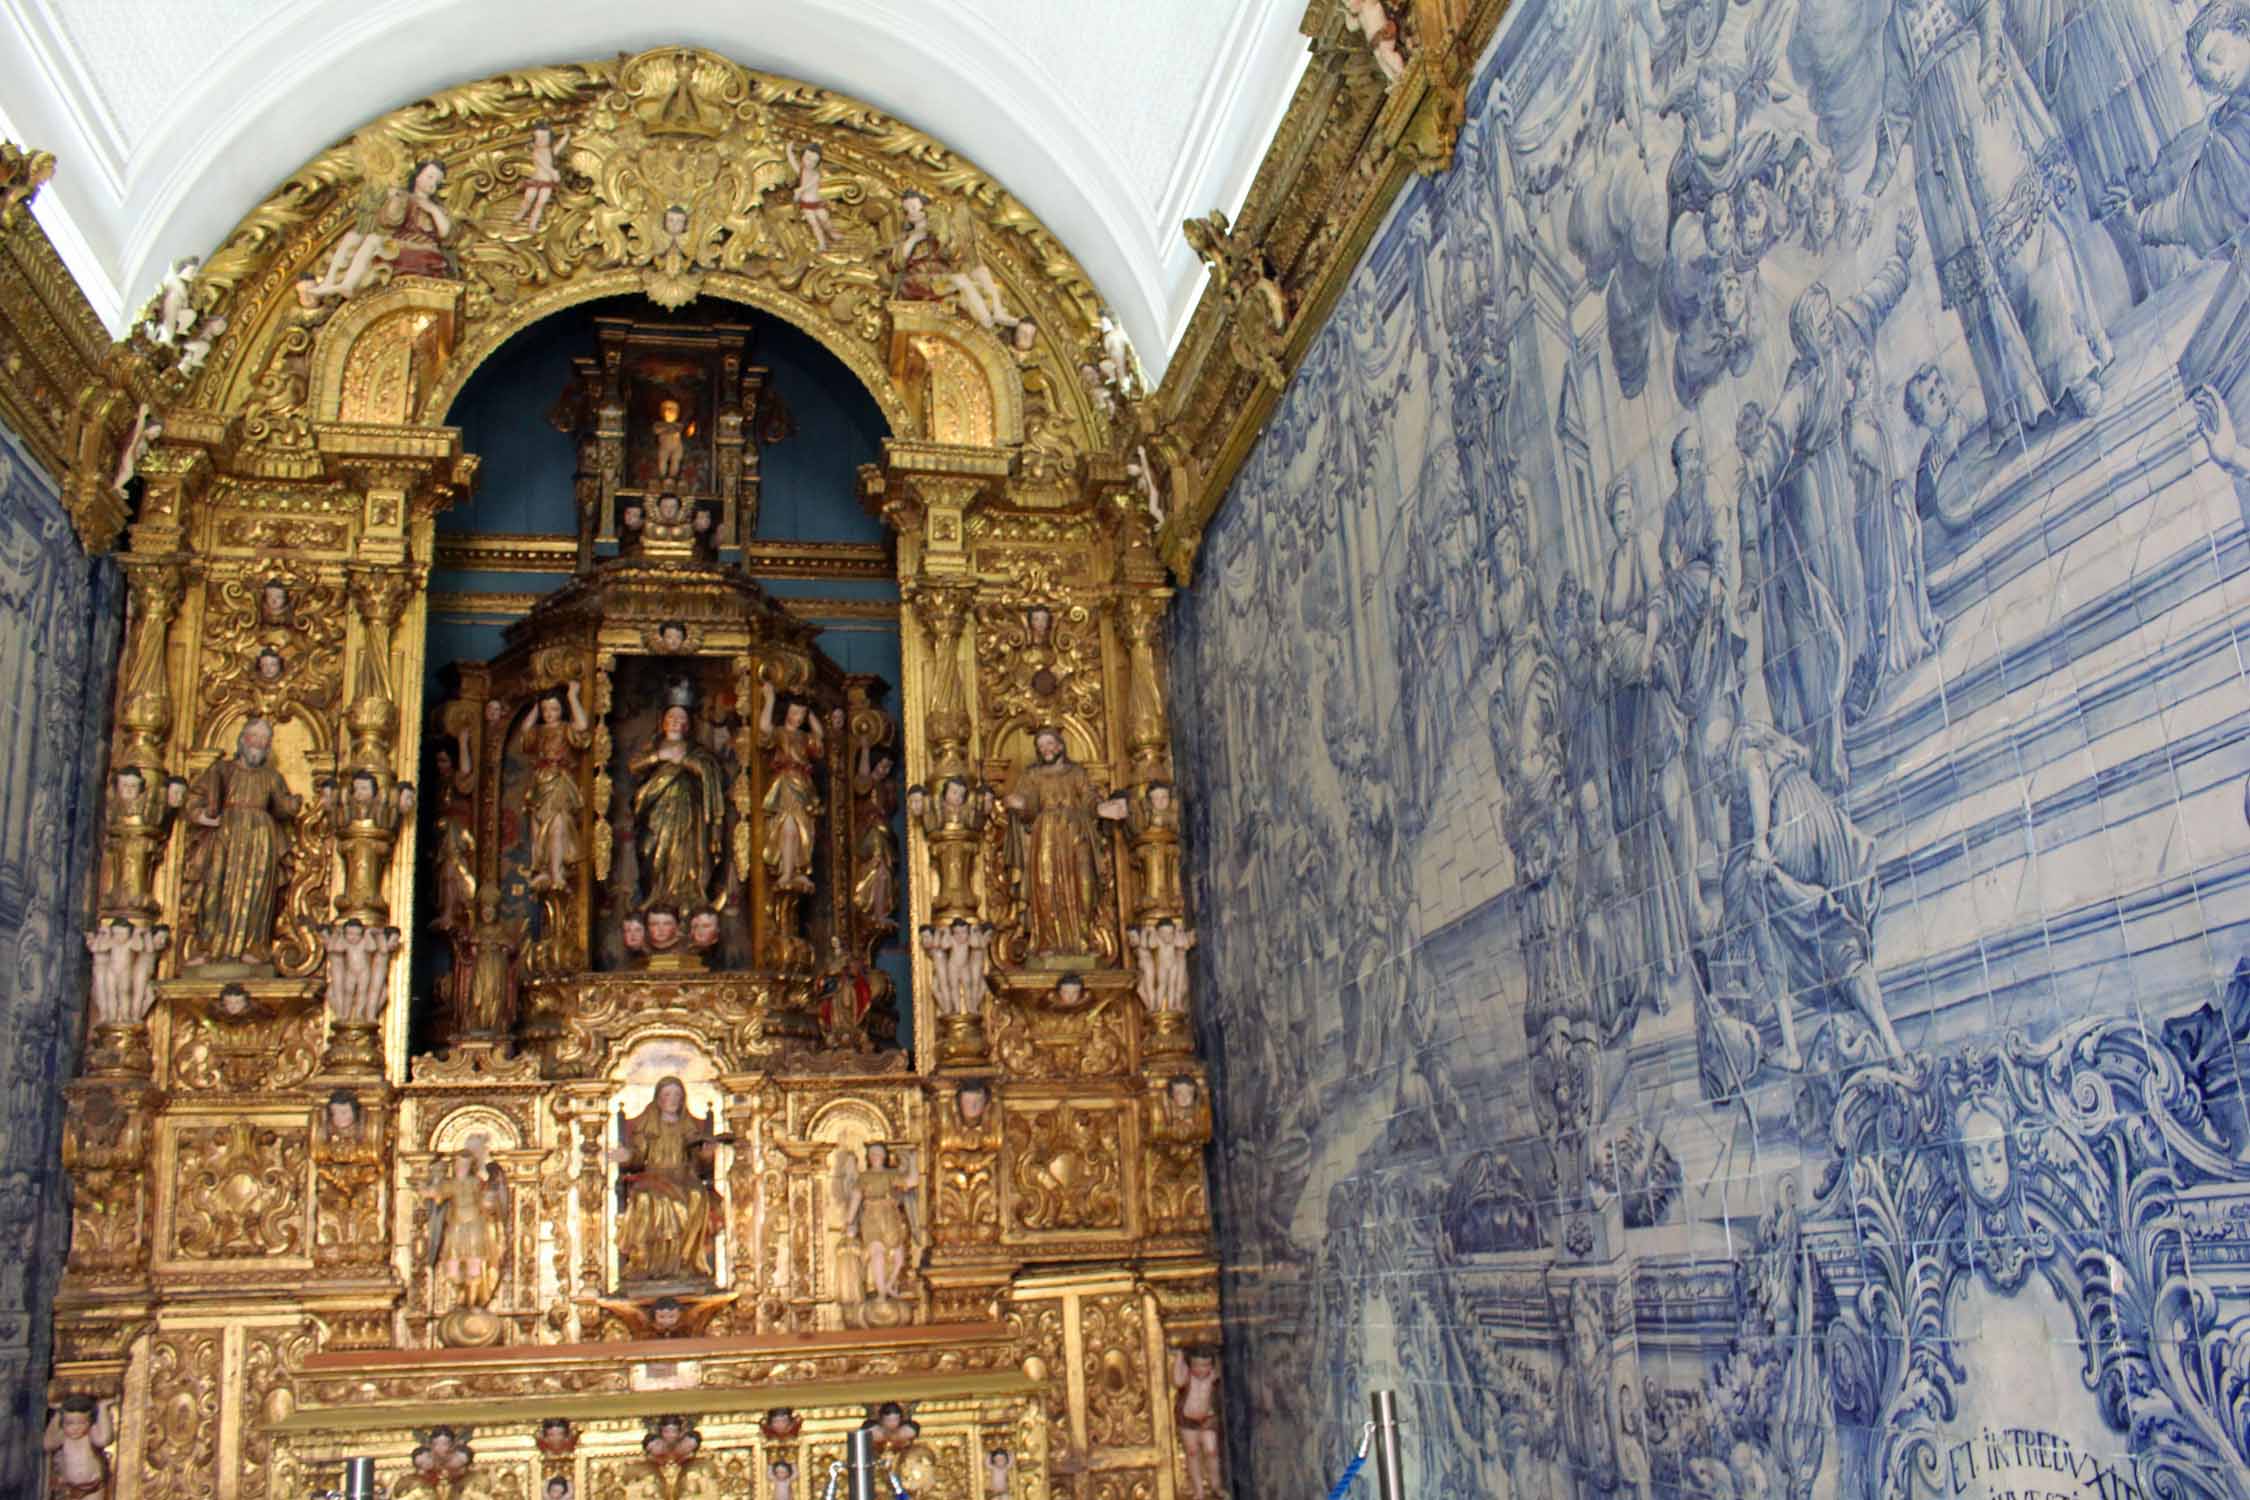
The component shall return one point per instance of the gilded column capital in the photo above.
(381, 593)
(174, 479)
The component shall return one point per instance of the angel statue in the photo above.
(874, 1201)
(935, 258)
(468, 1223)
(811, 205)
(401, 228)
(670, 1218)
(1375, 22)
(172, 309)
(794, 746)
(553, 745)
(544, 178)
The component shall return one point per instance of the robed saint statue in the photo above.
(240, 810)
(1054, 844)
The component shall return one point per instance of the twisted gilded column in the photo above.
(370, 804)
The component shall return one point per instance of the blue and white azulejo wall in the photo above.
(59, 623)
(1717, 711)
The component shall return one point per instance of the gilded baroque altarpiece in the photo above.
(660, 1211)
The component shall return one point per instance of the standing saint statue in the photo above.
(679, 810)
(794, 747)
(240, 809)
(669, 1225)
(873, 1200)
(487, 993)
(1053, 845)
(553, 745)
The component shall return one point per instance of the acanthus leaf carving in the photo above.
(242, 1190)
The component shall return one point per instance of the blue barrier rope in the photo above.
(1359, 1462)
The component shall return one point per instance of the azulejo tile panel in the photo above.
(1720, 716)
(59, 620)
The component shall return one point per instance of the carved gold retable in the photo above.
(263, 1289)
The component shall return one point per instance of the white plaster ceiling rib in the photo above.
(1111, 119)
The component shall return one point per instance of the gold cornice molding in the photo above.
(1345, 149)
(58, 392)
(532, 552)
(502, 608)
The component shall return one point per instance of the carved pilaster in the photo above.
(143, 802)
(368, 806)
(350, 1137)
(1176, 1120)
(380, 595)
(965, 1218)
(109, 1126)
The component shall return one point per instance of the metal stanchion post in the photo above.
(356, 1483)
(1390, 1470)
(863, 1464)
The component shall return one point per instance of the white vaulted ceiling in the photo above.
(1113, 120)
